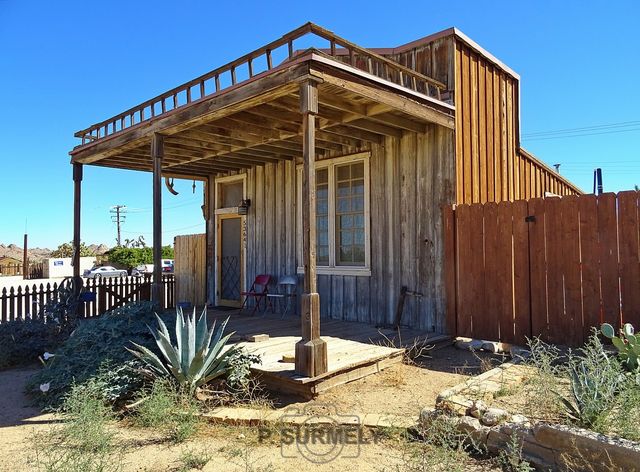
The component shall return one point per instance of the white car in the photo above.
(142, 269)
(104, 272)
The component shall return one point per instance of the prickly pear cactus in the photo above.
(627, 343)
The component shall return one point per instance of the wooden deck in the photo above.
(355, 350)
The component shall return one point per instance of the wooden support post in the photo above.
(77, 193)
(210, 215)
(311, 350)
(25, 257)
(157, 153)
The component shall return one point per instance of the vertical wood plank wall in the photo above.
(411, 179)
(490, 165)
(552, 267)
(190, 268)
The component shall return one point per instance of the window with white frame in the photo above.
(342, 215)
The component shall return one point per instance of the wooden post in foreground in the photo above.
(25, 257)
(77, 192)
(157, 152)
(311, 351)
(210, 215)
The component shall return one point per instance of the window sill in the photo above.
(353, 271)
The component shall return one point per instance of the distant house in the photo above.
(10, 266)
(334, 163)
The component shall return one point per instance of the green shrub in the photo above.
(167, 408)
(22, 342)
(85, 441)
(134, 256)
(596, 379)
(97, 346)
(627, 344)
(197, 357)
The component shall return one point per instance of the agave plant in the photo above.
(627, 344)
(198, 356)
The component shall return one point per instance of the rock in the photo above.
(491, 346)
(517, 352)
(471, 345)
(428, 414)
(519, 419)
(477, 409)
(493, 416)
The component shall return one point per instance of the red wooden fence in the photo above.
(552, 267)
(27, 301)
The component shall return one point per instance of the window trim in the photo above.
(219, 182)
(333, 268)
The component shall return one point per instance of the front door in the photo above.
(230, 260)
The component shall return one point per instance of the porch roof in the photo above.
(255, 119)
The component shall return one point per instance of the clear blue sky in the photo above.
(66, 65)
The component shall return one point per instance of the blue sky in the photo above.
(65, 65)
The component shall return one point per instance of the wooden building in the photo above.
(334, 163)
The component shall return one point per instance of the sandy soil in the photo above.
(401, 389)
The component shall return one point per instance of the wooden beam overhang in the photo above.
(259, 122)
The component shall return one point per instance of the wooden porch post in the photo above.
(157, 152)
(77, 191)
(210, 208)
(311, 351)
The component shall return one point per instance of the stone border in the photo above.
(236, 416)
(547, 446)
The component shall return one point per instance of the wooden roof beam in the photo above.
(391, 99)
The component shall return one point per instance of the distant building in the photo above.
(10, 266)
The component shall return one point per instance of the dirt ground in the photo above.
(401, 390)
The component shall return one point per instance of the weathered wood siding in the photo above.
(411, 179)
(190, 268)
(536, 179)
(490, 165)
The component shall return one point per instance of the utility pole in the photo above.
(118, 217)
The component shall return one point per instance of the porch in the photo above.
(355, 349)
(273, 122)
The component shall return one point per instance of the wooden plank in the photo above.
(475, 148)
(608, 252)
(490, 138)
(555, 271)
(467, 178)
(464, 253)
(629, 247)
(570, 253)
(589, 257)
(505, 272)
(493, 255)
(537, 260)
(476, 272)
(459, 100)
(449, 232)
(521, 271)
(482, 132)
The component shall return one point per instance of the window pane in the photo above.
(357, 170)
(346, 222)
(322, 217)
(322, 176)
(230, 194)
(343, 173)
(349, 221)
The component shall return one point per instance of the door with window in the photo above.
(230, 242)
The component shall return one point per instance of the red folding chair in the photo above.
(258, 291)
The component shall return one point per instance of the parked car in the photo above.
(142, 269)
(104, 272)
(147, 269)
(167, 266)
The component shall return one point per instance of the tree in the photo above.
(66, 250)
(134, 256)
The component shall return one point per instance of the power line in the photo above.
(118, 217)
(545, 138)
(622, 124)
